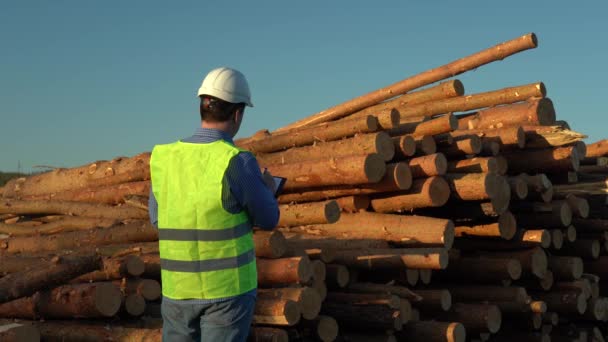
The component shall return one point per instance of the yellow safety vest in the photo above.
(205, 251)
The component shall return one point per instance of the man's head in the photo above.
(224, 94)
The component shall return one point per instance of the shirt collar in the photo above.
(214, 134)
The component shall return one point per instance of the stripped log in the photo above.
(64, 224)
(473, 293)
(377, 143)
(373, 317)
(393, 258)
(90, 331)
(401, 229)
(484, 270)
(436, 126)
(566, 267)
(267, 334)
(505, 228)
(598, 149)
(284, 271)
(434, 300)
(578, 205)
(550, 136)
(545, 160)
(100, 173)
(308, 213)
(93, 300)
(114, 268)
(428, 166)
(328, 131)
(469, 145)
(400, 291)
(405, 146)
(338, 276)
(323, 328)
(584, 248)
(425, 192)
(46, 275)
(425, 145)
(397, 177)
(128, 233)
(481, 186)
(507, 137)
(474, 165)
(353, 204)
(564, 302)
(281, 312)
(310, 241)
(519, 187)
(432, 331)
(307, 298)
(476, 318)
(36, 207)
(532, 112)
(365, 299)
(149, 289)
(497, 52)
(112, 194)
(533, 261)
(362, 169)
(269, 244)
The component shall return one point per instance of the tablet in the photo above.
(278, 184)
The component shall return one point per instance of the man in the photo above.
(206, 196)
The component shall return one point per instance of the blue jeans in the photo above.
(217, 322)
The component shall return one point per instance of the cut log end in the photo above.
(310, 303)
(304, 270)
(438, 189)
(402, 175)
(514, 269)
(494, 319)
(406, 145)
(441, 163)
(134, 265)
(455, 333)
(384, 146)
(327, 328)
(107, 299)
(135, 305)
(521, 137)
(372, 123)
(539, 263)
(292, 312)
(278, 244)
(507, 225)
(332, 211)
(427, 145)
(150, 289)
(374, 167)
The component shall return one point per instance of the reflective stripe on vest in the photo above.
(206, 252)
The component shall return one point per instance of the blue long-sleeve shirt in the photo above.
(243, 190)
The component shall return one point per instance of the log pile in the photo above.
(408, 214)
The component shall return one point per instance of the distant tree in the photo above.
(6, 176)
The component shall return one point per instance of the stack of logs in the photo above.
(431, 216)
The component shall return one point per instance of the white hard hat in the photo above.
(226, 84)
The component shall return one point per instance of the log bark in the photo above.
(566, 267)
(475, 318)
(425, 145)
(497, 52)
(578, 205)
(373, 317)
(322, 328)
(584, 248)
(281, 312)
(112, 194)
(426, 192)
(307, 298)
(400, 291)
(114, 268)
(557, 239)
(46, 275)
(481, 186)
(433, 331)
(400, 229)
(94, 300)
(533, 261)
(149, 289)
(308, 213)
(564, 302)
(309, 241)
(393, 258)
(269, 244)
(436, 126)
(519, 187)
(378, 143)
(428, 166)
(100, 173)
(138, 231)
(284, 271)
(510, 137)
(353, 204)
(12, 206)
(328, 131)
(474, 165)
(152, 265)
(434, 300)
(71, 331)
(443, 90)
(362, 169)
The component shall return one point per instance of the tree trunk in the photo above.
(400, 229)
(474, 165)
(46, 275)
(11, 206)
(323, 328)
(284, 271)
(480, 186)
(378, 143)
(93, 300)
(428, 166)
(481, 270)
(328, 131)
(100, 173)
(309, 213)
(138, 231)
(504, 228)
(564, 302)
(542, 161)
(469, 145)
(533, 261)
(598, 149)
(425, 192)
(497, 52)
(361, 169)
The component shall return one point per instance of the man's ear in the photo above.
(238, 115)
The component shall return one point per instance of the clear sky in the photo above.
(82, 81)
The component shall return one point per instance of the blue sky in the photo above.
(91, 80)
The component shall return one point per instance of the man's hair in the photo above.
(216, 110)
